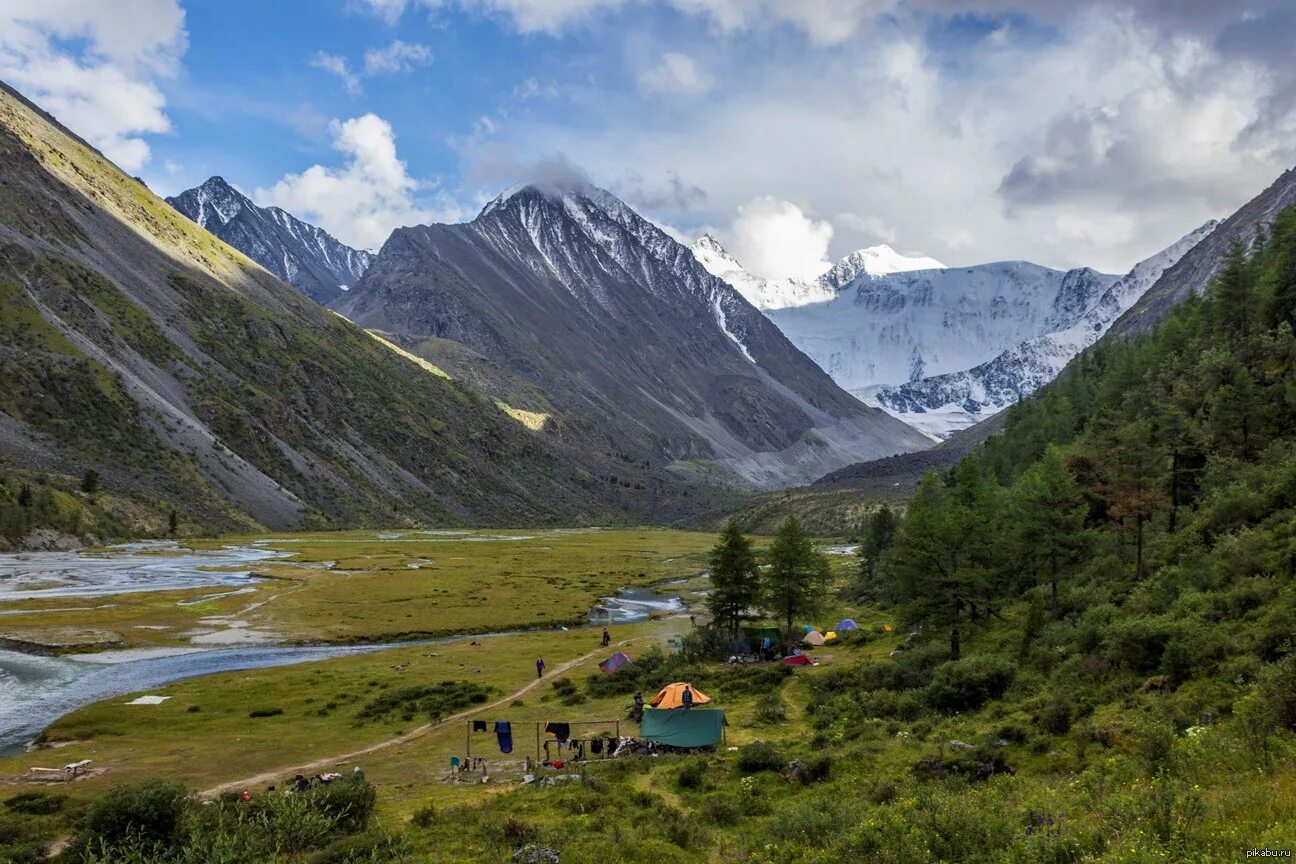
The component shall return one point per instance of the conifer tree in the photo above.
(878, 534)
(735, 578)
(1048, 517)
(796, 574)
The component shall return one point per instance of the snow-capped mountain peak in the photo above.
(880, 260)
(944, 403)
(766, 294)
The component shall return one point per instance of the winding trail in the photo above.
(317, 765)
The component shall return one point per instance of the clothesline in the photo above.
(561, 731)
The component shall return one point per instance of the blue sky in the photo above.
(1063, 132)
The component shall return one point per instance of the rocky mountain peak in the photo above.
(304, 255)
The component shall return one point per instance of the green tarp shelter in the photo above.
(696, 727)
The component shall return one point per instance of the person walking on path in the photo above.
(607, 638)
(539, 667)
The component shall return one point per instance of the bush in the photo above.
(770, 712)
(149, 813)
(35, 803)
(813, 769)
(424, 817)
(349, 803)
(433, 701)
(265, 712)
(692, 775)
(967, 684)
(1055, 717)
(759, 756)
(1138, 643)
(517, 832)
(567, 691)
(370, 847)
(723, 810)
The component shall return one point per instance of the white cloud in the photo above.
(676, 74)
(1097, 144)
(397, 57)
(776, 239)
(825, 22)
(362, 201)
(94, 65)
(335, 64)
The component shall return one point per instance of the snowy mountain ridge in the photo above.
(767, 294)
(943, 404)
(303, 255)
(565, 301)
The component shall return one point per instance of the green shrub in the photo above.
(1055, 716)
(371, 847)
(265, 712)
(348, 802)
(36, 803)
(692, 775)
(433, 701)
(424, 817)
(143, 814)
(812, 769)
(759, 756)
(721, 809)
(967, 684)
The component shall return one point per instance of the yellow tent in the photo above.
(830, 636)
(814, 637)
(671, 696)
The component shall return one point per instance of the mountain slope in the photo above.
(584, 309)
(944, 403)
(1195, 270)
(908, 326)
(783, 293)
(307, 257)
(139, 345)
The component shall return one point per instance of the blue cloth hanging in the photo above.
(504, 733)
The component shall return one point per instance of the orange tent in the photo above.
(671, 696)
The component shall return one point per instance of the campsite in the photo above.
(470, 750)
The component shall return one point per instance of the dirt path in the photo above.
(317, 765)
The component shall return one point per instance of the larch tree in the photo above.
(1048, 516)
(796, 575)
(735, 578)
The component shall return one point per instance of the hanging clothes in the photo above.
(504, 733)
(561, 731)
(479, 726)
(596, 747)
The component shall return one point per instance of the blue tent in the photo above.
(807, 629)
(846, 624)
(615, 662)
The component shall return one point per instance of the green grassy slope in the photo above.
(135, 343)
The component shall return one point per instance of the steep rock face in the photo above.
(636, 348)
(301, 254)
(770, 294)
(905, 327)
(942, 404)
(136, 344)
(1195, 270)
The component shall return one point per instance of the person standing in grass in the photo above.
(607, 638)
(638, 707)
(539, 667)
(687, 697)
